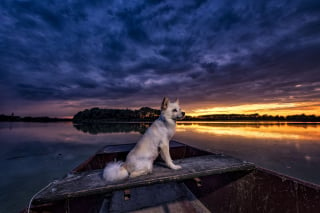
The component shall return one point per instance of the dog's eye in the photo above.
(174, 110)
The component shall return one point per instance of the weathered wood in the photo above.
(89, 183)
(165, 197)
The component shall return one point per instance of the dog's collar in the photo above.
(164, 120)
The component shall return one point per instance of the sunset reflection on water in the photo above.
(294, 131)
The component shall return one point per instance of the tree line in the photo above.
(149, 114)
(116, 115)
(146, 114)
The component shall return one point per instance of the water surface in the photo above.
(33, 154)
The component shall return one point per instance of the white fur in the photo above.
(140, 159)
(113, 172)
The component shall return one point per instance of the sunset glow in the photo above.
(259, 131)
(309, 108)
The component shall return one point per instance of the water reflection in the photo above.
(96, 128)
(267, 130)
(277, 131)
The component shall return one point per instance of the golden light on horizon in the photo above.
(308, 108)
(263, 130)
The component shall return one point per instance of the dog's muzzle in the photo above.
(183, 116)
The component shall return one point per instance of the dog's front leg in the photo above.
(165, 155)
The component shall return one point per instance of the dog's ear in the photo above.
(164, 104)
(177, 100)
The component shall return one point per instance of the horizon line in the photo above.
(189, 115)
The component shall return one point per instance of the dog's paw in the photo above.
(176, 167)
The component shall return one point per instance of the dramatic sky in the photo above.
(61, 56)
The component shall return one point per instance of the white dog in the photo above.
(156, 139)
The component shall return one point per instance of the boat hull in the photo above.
(243, 190)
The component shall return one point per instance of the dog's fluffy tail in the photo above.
(115, 171)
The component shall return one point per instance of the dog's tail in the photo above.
(115, 171)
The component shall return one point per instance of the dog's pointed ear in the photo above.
(164, 104)
(177, 100)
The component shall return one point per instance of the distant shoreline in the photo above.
(97, 115)
(11, 118)
(146, 114)
(144, 121)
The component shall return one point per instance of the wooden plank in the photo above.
(89, 183)
(165, 197)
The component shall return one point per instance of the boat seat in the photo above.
(90, 183)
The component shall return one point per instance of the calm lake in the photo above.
(33, 154)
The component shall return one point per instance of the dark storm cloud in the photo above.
(214, 51)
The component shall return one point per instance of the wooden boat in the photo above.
(208, 182)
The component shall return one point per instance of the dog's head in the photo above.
(171, 110)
